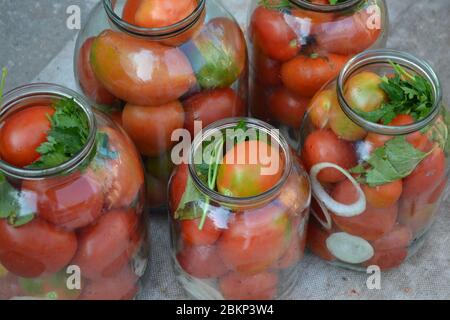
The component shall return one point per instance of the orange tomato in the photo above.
(163, 13)
(320, 107)
(383, 196)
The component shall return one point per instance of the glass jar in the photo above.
(75, 230)
(155, 78)
(297, 46)
(378, 185)
(246, 247)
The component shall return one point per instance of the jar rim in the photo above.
(326, 8)
(18, 97)
(157, 33)
(229, 123)
(384, 56)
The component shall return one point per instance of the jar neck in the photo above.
(375, 59)
(307, 5)
(46, 94)
(254, 126)
(154, 33)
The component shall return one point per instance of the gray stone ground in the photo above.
(36, 46)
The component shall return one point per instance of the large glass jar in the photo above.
(76, 230)
(299, 45)
(159, 66)
(246, 247)
(378, 184)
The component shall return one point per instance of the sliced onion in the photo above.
(350, 249)
(337, 208)
(326, 224)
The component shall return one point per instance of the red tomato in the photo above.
(388, 259)
(91, 87)
(121, 287)
(313, 18)
(35, 249)
(317, 241)
(287, 107)
(201, 262)
(259, 107)
(427, 175)
(399, 237)
(255, 239)
(320, 107)
(383, 196)
(163, 13)
(262, 286)
(105, 247)
(122, 178)
(193, 236)
(294, 251)
(22, 133)
(151, 127)
(418, 140)
(417, 215)
(375, 141)
(129, 10)
(273, 35)
(305, 75)
(348, 36)
(372, 224)
(68, 202)
(325, 146)
(242, 175)
(211, 106)
(177, 186)
(267, 71)
(437, 193)
(138, 71)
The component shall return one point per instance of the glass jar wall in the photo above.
(375, 142)
(299, 45)
(75, 229)
(158, 69)
(244, 239)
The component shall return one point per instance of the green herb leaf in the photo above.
(189, 208)
(3, 82)
(68, 135)
(9, 203)
(395, 160)
(407, 93)
(22, 220)
(275, 4)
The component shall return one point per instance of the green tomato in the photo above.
(363, 93)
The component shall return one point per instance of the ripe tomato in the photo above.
(259, 96)
(383, 196)
(306, 75)
(105, 247)
(91, 87)
(211, 106)
(320, 107)
(177, 185)
(255, 239)
(325, 146)
(191, 234)
(35, 249)
(417, 215)
(201, 262)
(151, 127)
(296, 247)
(296, 193)
(375, 141)
(242, 172)
(267, 71)
(417, 139)
(363, 92)
(388, 259)
(68, 202)
(372, 224)
(273, 35)
(287, 107)
(121, 287)
(262, 286)
(122, 178)
(138, 71)
(426, 176)
(22, 133)
(311, 18)
(129, 10)
(317, 241)
(163, 13)
(437, 193)
(348, 36)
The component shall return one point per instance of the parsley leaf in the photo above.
(407, 93)
(395, 160)
(11, 207)
(275, 4)
(68, 135)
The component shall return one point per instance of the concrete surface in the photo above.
(36, 45)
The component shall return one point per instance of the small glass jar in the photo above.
(248, 247)
(297, 46)
(76, 230)
(378, 187)
(155, 78)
